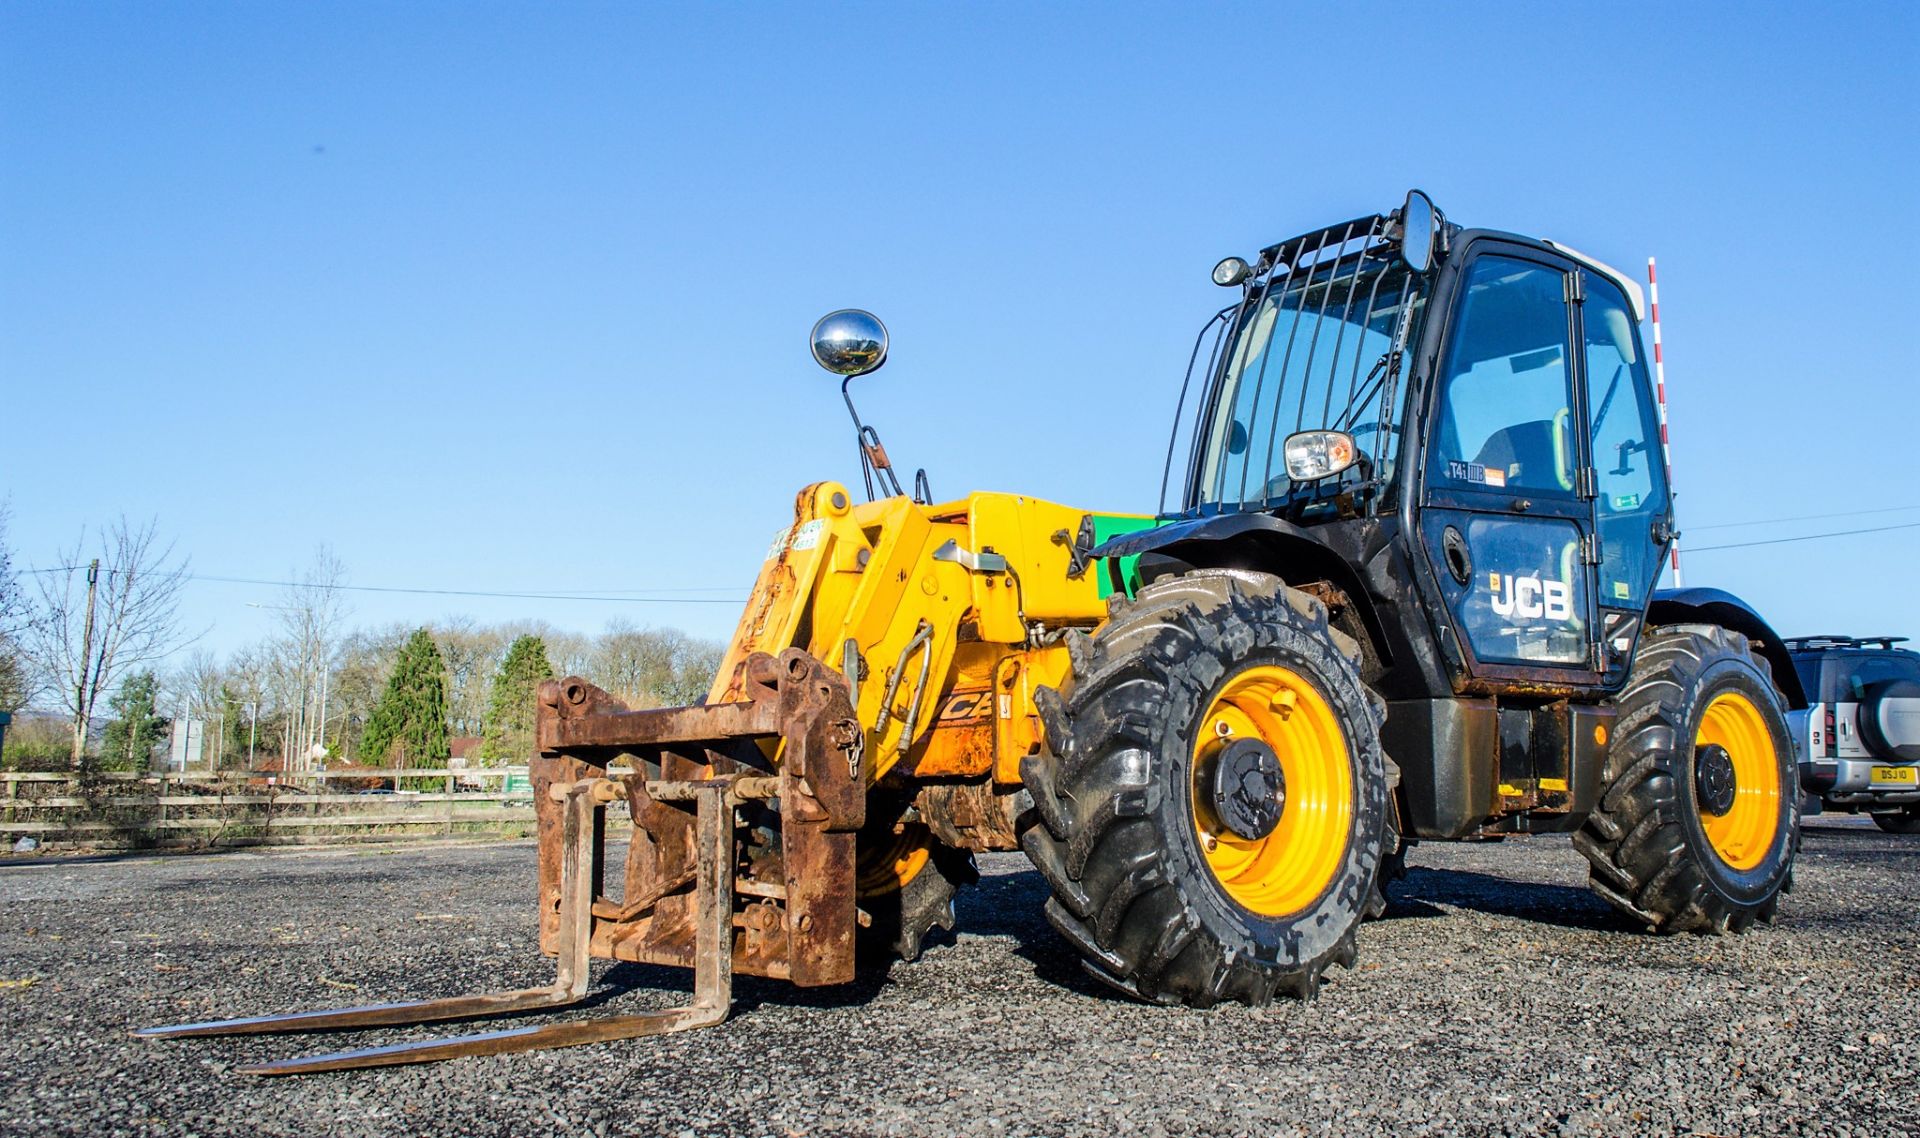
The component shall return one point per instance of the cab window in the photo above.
(1625, 431)
(1505, 403)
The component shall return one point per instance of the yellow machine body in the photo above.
(944, 617)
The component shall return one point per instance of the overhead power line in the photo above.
(624, 596)
(1804, 518)
(1803, 537)
(558, 595)
(561, 596)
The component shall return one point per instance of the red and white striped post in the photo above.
(1660, 395)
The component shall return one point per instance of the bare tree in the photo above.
(112, 613)
(17, 687)
(364, 662)
(104, 615)
(694, 666)
(248, 676)
(196, 690)
(311, 611)
(472, 652)
(635, 664)
(569, 651)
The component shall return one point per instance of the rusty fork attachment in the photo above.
(713, 978)
(798, 917)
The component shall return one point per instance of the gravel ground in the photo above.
(1497, 997)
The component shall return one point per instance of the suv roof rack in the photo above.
(1811, 643)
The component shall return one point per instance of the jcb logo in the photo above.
(1530, 598)
(964, 707)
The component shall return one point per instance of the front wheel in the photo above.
(905, 881)
(1211, 813)
(1699, 820)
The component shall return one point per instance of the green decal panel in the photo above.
(1119, 574)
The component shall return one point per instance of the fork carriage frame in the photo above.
(773, 897)
(793, 916)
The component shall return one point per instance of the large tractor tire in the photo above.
(1699, 820)
(1211, 808)
(906, 881)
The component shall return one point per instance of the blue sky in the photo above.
(504, 297)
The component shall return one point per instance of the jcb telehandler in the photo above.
(1403, 591)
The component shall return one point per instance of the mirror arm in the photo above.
(873, 456)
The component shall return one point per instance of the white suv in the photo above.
(1859, 740)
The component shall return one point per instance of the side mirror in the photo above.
(1418, 227)
(849, 342)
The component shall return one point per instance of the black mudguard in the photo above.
(1717, 606)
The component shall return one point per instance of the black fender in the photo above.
(1717, 606)
(1255, 541)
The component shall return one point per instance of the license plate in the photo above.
(1908, 775)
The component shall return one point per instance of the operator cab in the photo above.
(1475, 405)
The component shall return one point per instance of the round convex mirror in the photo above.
(850, 342)
(1417, 231)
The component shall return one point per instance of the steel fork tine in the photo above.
(498, 1042)
(570, 970)
(370, 1015)
(712, 988)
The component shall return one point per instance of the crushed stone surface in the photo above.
(1497, 997)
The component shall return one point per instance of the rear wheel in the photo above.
(1699, 821)
(1212, 811)
(1899, 822)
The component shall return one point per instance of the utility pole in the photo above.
(82, 705)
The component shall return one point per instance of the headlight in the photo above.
(1313, 455)
(1231, 271)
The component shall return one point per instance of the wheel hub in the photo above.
(1249, 791)
(1713, 779)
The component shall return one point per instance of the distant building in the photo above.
(464, 755)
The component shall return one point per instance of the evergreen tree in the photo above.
(510, 702)
(15, 686)
(135, 729)
(408, 727)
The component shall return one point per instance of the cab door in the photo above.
(1633, 508)
(1507, 500)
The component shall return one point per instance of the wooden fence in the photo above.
(113, 810)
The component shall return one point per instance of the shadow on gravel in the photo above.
(1402, 908)
(1012, 905)
(1859, 836)
(1561, 905)
(749, 992)
(41, 861)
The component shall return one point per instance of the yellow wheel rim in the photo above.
(1742, 836)
(1286, 871)
(888, 865)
